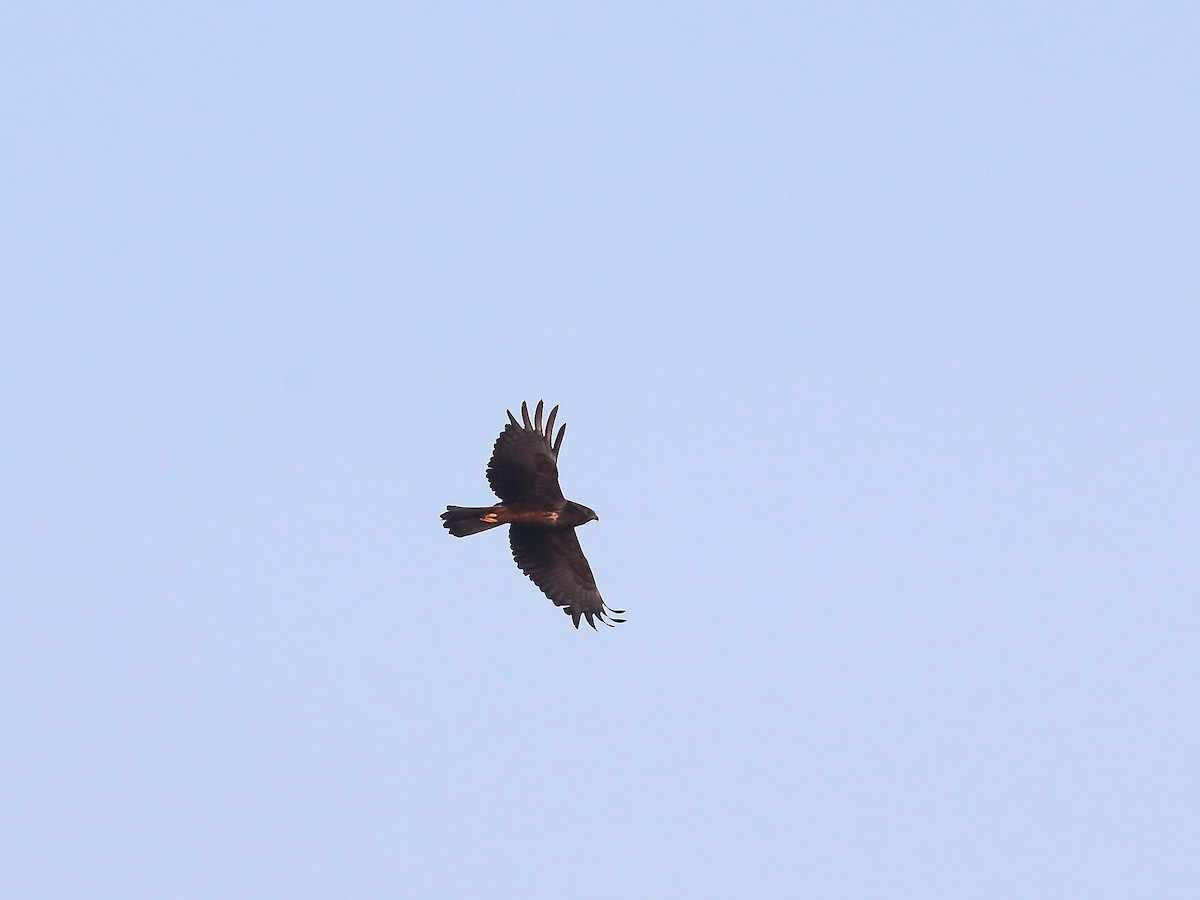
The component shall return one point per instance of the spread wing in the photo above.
(553, 559)
(523, 467)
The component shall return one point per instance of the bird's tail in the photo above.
(463, 520)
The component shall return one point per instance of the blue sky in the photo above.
(876, 331)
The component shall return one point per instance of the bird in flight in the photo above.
(523, 473)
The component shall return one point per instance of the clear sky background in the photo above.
(876, 327)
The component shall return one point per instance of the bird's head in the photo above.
(578, 514)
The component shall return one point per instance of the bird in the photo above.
(523, 473)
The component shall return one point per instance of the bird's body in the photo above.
(523, 473)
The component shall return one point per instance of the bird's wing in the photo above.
(553, 559)
(523, 467)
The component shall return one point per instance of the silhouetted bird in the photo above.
(523, 473)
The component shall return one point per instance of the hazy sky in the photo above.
(876, 328)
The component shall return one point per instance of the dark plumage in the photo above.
(523, 473)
